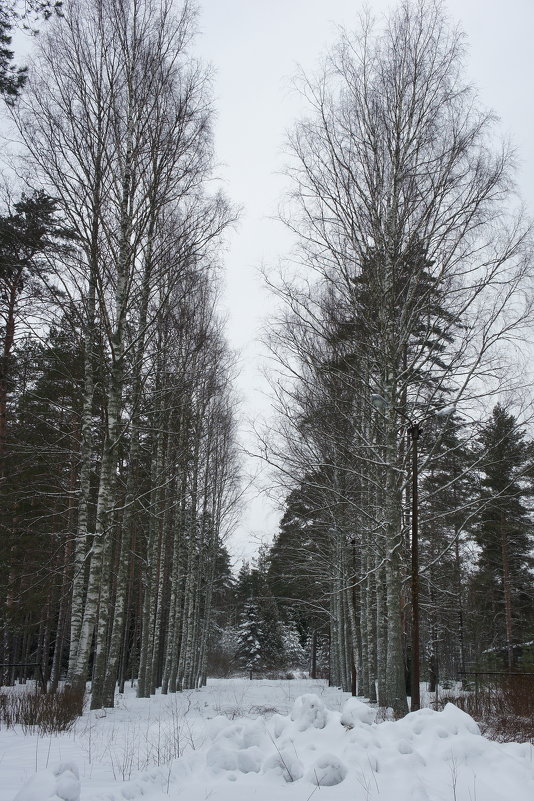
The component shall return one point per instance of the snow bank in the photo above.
(61, 784)
(325, 743)
(285, 764)
(427, 756)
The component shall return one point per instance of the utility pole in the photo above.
(415, 431)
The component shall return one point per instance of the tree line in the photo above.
(403, 313)
(280, 615)
(117, 438)
(399, 383)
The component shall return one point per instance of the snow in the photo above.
(60, 784)
(309, 711)
(355, 711)
(327, 771)
(240, 740)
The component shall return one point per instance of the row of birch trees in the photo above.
(116, 127)
(409, 292)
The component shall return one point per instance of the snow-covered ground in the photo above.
(238, 740)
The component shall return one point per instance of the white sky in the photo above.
(255, 46)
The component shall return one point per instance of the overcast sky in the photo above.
(255, 47)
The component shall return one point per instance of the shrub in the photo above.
(504, 707)
(49, 712)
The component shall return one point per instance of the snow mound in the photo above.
(327, 771)
(237, 748)
(308, 746)
(243, 735)
(459, 721)
(404, 747)
(279, 724)
(451, 721)
(219, 758)
(249, 760)
(284, 764)
(309, 712)
(60, 784)
(355, 711)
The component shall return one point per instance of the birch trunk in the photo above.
(118, 626)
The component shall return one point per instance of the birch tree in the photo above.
(117, 121)
(403, 206)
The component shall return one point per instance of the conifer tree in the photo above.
(260, 625)
(12, 78)
(249, 652)
(31, 237)
(504, 533)
(449, 501)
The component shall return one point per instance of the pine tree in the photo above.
(31, 236)
(447, 507)
(12, 78)
(504, 533)
(295, 656)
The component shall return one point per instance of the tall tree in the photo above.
(449, 505)
(406, 232)
(504, 532)
(31, 236)
(12, 78)
(38, 498)
(260, 632)
(117, 120)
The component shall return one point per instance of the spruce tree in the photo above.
(298, 562)
(504, 534)
(448, 500)
(31, 236)
(261, 645)
(250, 635)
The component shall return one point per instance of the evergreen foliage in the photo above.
(504, 532)
(12, 78)
(250, 652)
(261, 644)
(119, 476)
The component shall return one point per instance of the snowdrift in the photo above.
(315, 751)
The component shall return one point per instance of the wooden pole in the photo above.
(415, 431)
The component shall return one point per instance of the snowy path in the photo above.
(237, 740)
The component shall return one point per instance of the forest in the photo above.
(400, 443)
